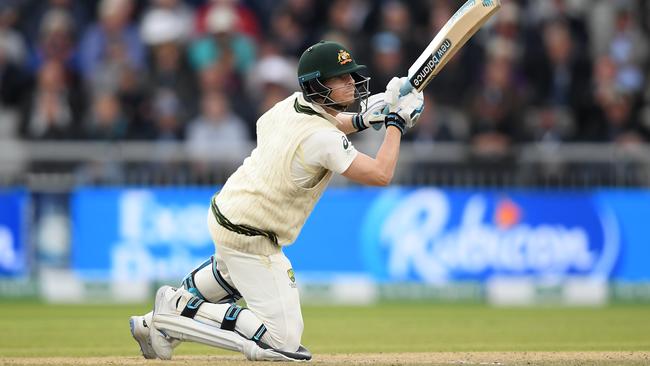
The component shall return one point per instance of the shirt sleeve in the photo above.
(329, 149)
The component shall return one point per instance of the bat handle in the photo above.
(405, 89)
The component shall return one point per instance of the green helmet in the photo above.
(324, 60)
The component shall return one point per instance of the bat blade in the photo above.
(459, 28)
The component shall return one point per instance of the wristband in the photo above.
(393, 119)
(357, 122)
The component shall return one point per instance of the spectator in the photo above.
(107, 120)
(387, 60)
(12, 42)
(507, 37)
(607, 90)
(224, 45)
(628, 48)
(166, 115)
(12, 82)
(12, 76)
(213, 77)
(271, 80)
(395, 17)
(181, 26)
(618, 120)
(247, 23)
(246, 47)
(165, 34)
(54, 109)
(348, 16)
(494, 110)
(605, 79)
(111, 42)
(308, 14)
(216, 131)
(168, 129)
(568, 12)
(56, 41)
(36, 11)
(560, 75)
(440, 123)
(289, 33)
(133, 98)
(548, 124)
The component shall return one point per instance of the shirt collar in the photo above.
(317, 108)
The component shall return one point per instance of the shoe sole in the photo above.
(144, 352)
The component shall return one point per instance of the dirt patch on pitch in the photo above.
(433, 358)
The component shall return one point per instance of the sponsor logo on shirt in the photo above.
(346, 142)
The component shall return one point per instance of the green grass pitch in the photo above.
(38, 330)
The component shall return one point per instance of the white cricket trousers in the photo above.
(267, 285)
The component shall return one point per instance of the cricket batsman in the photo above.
(301, 142)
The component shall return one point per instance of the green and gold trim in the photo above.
(304, 109)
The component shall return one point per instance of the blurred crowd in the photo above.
(202, 71)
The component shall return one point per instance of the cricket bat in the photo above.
(459, 28)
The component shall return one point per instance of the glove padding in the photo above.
(410, 107)
(374, 114)
(392, 94)
(391, 98)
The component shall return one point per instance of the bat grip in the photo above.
(405, 89)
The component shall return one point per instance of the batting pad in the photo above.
(187, 329)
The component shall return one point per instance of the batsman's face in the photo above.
(342, 88)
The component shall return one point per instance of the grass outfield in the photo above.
(417, 333)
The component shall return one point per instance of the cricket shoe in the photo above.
(140, 332)
(163, 344)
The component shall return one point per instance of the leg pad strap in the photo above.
(192, 307)
(259, 333)
(230, 318)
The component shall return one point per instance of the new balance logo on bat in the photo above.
(427, 68)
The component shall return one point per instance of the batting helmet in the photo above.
(326, 60)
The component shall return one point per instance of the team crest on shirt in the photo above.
(292, 277)
(344, 57)
(346, 142)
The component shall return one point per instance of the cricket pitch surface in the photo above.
(430, 358)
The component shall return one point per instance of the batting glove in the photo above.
(374, 114)
(392, 94)
(410, 107)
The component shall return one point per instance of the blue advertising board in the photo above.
(426, 234)
(127, 234)
(13, 252)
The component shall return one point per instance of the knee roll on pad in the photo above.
(206, 282)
